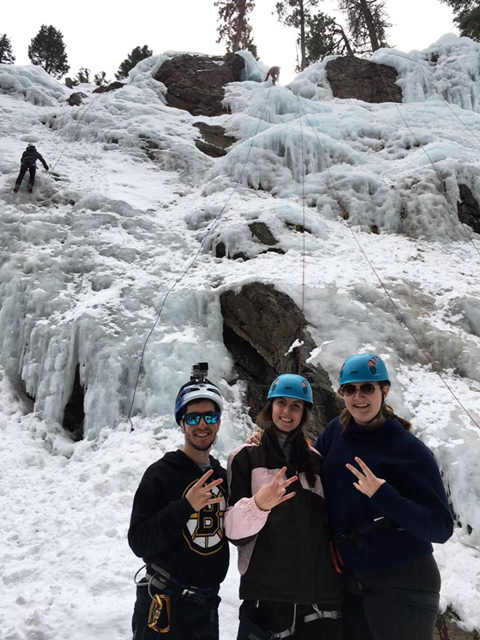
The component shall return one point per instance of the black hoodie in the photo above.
(164, 529)
(30, 157)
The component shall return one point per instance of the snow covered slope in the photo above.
(130, 209)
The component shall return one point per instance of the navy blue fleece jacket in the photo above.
(413, 495)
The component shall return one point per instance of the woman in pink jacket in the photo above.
(277, 517)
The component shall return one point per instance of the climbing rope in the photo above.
(208, 231)
(406, 57)
(382, 284)
(52, 166)
(420, 145)
(302, 306)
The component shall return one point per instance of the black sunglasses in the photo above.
(366, 388)
(210, 417)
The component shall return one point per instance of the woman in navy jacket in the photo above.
(386, 505)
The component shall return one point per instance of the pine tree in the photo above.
(137, 54)
(324, 37)
(234, 28)
(466, 16)
(6, 54)
(367, 22)
(296, 13)
(83, 76)
(461, 7)
(47, 49)
(469, 24)
(100, 79)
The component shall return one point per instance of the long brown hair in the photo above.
(301, 458)
(386, 410)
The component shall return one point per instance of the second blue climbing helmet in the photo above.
(364, 367)
(291, 385)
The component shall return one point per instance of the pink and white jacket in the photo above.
(283, 553)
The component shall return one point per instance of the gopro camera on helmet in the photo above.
(199, 372)
(198, 388)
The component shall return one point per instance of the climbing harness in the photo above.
(355, 537)
(250, 630)
(159, 579)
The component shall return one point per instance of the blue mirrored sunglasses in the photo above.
(210, 417)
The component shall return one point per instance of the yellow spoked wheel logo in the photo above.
(204, 530)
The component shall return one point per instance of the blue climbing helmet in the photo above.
(364, 367)
(290, 385)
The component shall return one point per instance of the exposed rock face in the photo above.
(74, 414)
(109, 87)
(220, 251)
(214, 142)
(448, 630)
(260, 324)
(150, 147)
(468, 209)
(262, 233)
(351, 77)
(196, 83)
(76, 99)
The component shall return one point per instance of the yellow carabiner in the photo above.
(159, 600)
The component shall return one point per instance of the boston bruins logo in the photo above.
(204, 530)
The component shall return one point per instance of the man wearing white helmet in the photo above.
(177, 525)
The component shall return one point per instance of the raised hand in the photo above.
(274, 493)
(255, 438)
(200, 494)
(367, 483)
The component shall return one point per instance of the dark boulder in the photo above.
(351, 77)
(76, 99)
(468, 209)
(109, 87)
(260, 325)
(197, 83)
(262, 233)
(214, 142)
(448, 628)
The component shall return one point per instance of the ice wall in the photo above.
(87, 264)
(349, 196)
(381, 166)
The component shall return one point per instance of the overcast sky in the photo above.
(99, 35)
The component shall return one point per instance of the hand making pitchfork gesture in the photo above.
(274, 493)
(367, 482)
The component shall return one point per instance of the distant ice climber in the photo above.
(29, 162)
(274, 73)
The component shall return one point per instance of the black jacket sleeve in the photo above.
(40, 157)
(155, 525)
(241, 478)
